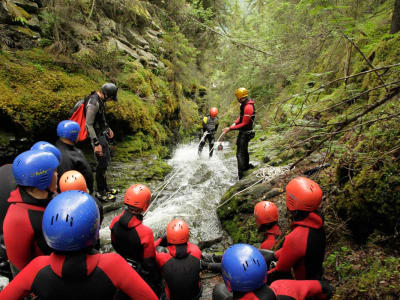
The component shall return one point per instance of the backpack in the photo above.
(78, 114)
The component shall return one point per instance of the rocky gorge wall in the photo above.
(53, 53)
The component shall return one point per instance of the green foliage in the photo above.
(363, 273)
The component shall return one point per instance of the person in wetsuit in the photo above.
(72, 158)
(180, 265)
(35, 173)
(244, 124)
(304, 247)
(98, 132)
(210, 126)
(244, 273)
(266, 215)
(133, 240)
(74, 271)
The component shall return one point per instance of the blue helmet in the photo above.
(243, 268)
(35, 168)
(69, 130)
(71, 221)
(45, 146)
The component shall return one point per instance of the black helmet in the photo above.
(110, 91)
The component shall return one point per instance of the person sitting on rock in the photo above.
(180, 266)
(244, 273)
(304, 248)
(74, 270)
(35, 173)
(266, 215)
(133, 240)
(210, 126)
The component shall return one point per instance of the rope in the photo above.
(266, 176)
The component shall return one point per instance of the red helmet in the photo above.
(138, 195)
(177, 232)
(72, 181)
(265, 212)
(303, 194)
(213, 112)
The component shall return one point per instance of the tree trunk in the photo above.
(396, 18)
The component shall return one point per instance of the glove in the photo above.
(268, 255)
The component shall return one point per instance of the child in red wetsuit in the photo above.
(133, 240)
(180, 266)
(74, 271)
(304, 248)
(244, 273)
(266, 214)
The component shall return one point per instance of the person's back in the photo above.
(73, 271)
(180, 267)
(72, 158)
(304, 248)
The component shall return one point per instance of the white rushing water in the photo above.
(191, 191)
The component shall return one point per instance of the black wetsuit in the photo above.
(210, 126)
(97, 128)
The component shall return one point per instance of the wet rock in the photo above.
(114, 43)
(258, 190)
(135, 38)
(34, 24)
(107, 26)
(29, 6)
(272, 193)
(209, 243)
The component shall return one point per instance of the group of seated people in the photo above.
(51, 236)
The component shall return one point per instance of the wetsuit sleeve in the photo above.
(237, 120)
(216, 125)
(18, 237)
(269, 242)
(194, 250)
(298, 289)
(125, 278)
(21, 285)
(293, 249)
(248, 113)
(115, 220)
(92, 109)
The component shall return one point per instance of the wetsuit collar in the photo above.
(313, 220)
(74, 266)
(130, 220)
(275, 230)
(19, 195)
(179, 251)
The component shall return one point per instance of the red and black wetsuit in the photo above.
(270, 237)
(23, 236)
(135, 241)
(78, 276)
(244, 123)
(303, 250)
(181, 270)
(288, 290)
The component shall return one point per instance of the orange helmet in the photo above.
(303, 194)
(265, 212)
(241, 93)
(72, 181)
(213, 112)
(138, 195)
(177, 232)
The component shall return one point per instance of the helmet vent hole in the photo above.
(70, 223)
(244, 267)
(56, 217)
(52, 219)
(66, 219)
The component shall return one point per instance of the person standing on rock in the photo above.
(210, 126)
(74, 270)
(72, 158)
(244, 123)
(304, 247)
(98, 132)
(133, 240)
